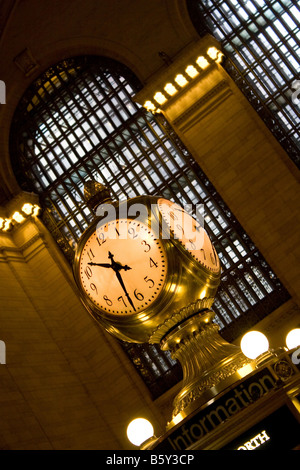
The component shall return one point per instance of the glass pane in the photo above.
(261, 41)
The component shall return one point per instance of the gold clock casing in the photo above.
(187, 287)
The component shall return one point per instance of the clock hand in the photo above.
(104, 265)
(117, 267)
(124, 289)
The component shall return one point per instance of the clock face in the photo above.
(123, 267)
(190, 234)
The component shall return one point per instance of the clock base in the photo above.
(209, 363)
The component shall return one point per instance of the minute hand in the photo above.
(124, 289)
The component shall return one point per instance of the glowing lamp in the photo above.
(180, 80)
(192, 71)
(18, 217)
(220, 57)
(27, 208)
(139, 430)
(36, 210)
(149, 106)
(7, 223)
(213, 53)
(170, 89)
(160, 98)
(253, 344)
(292, 339)
(202, 62)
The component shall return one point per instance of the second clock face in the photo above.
(123, 267)
(190, 234)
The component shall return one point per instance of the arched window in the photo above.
(261, 41)
(77, 122)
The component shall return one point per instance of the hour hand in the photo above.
(103, 265)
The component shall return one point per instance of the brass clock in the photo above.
(134, 276)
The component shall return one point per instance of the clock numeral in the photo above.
(88, 272)
(100, 238)
(122, 299)
(192, 245)
(153, 263)
(201, 249)
(179, 209)
(131, 232)
(213, 256)
(107, 300)
(94, 288)
(138, 295)
(149, 280)
(173, 216)
(90, 254)
(147, 246)
(180, 228)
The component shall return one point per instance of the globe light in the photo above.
(139, 430)
(254, 343)
(292, 339)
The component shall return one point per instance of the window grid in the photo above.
(85, 125)
(261, 41)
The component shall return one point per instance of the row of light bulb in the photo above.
(253, 344)
(182, 79)
(27, 210)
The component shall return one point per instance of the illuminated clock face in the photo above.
(190, 234)
(123, 267)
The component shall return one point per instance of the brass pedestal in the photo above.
(209, 363)
(258, 411)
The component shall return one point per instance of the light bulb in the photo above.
(27, 208)
(160, 98)
(149, 106)
(180, 80)
(213, 52)
(170, 89)
(202, 62)
(18, 217)
(192, 71)
(254, 343)
(139, 430)
(292, 339)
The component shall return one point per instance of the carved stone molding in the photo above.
(26, 62)
(205, 105)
